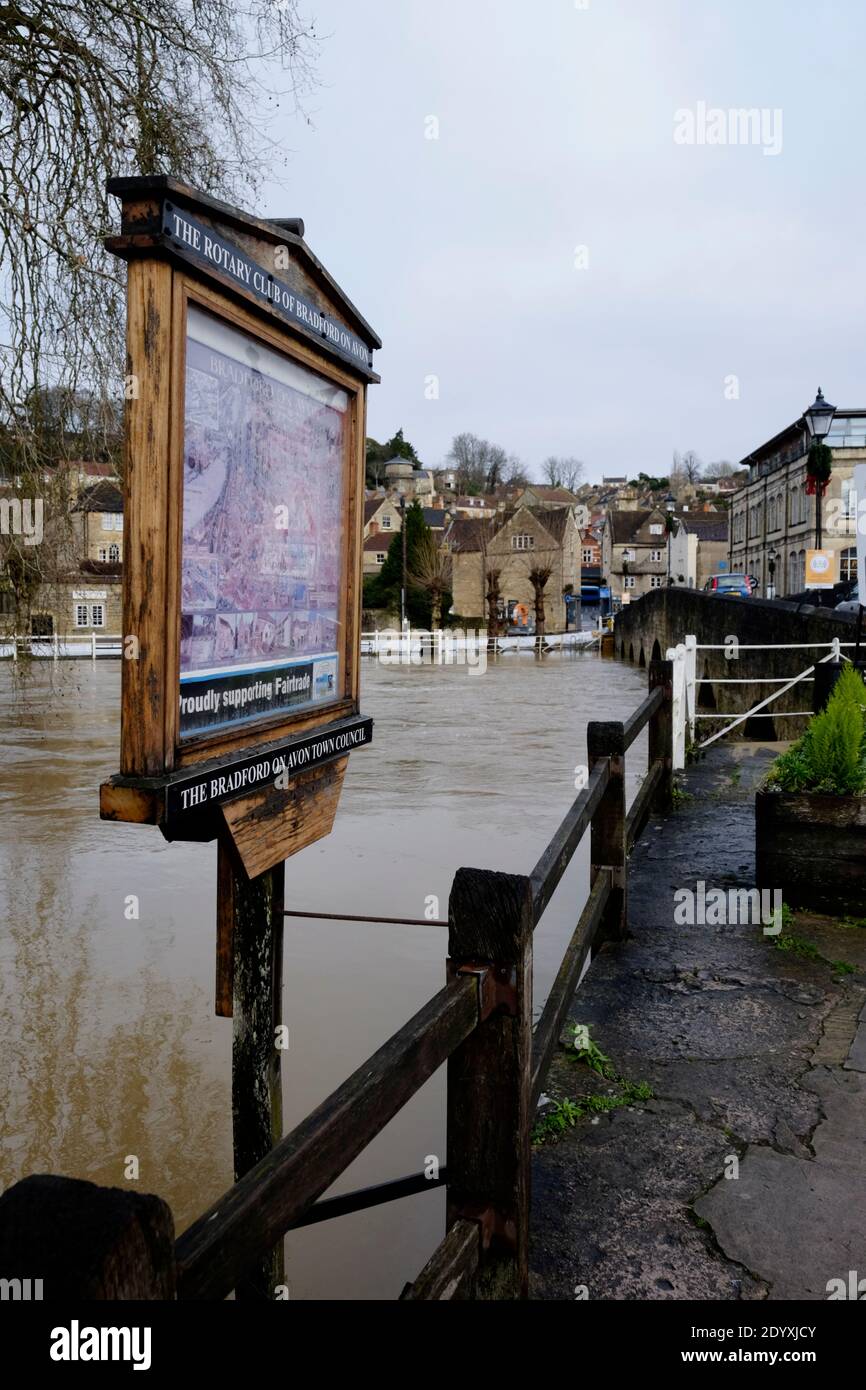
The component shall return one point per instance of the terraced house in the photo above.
(773, 516)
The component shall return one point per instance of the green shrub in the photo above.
(831, 755)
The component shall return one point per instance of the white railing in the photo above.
(685, 682)
(56, 648)
(391, 642)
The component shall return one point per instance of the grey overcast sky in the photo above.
(556, 131)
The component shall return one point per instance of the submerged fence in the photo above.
(108, 1243)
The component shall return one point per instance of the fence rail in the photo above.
(85, 645)
(479, 1023)
(685, 682)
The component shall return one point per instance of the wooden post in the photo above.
(79, 1242)
(608, 848)
(489, 1082)
(253, 918)
(661, 734)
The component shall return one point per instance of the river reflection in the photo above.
(108, 1035)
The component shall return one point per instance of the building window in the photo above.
(848, 564)
(656, 529)
(90, 615)
(655, 557)
(656, 581)
(114, 554)
(386, 523)
(102, 553)
(587, 557)
(42, 624)
(628, 554)
(380, 557)
(522, 542)
(628, 581)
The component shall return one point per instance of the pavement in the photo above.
(744, 1175)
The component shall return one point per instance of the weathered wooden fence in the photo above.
(108, 1243)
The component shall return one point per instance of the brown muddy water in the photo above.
(109, 1041)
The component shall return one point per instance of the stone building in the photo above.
(773, 516)
(79, 560)
(634, 552)
(514, 542)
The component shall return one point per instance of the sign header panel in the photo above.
(203, 246)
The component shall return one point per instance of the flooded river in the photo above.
(107, 1031)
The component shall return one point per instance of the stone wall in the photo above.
(648, 627)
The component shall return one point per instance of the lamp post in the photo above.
(771, 571)
(818, 419)
(403, 585)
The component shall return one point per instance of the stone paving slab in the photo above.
(755, 1057)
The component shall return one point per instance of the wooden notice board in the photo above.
(247, 370)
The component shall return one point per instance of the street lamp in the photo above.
(818, 419)
(771, 571)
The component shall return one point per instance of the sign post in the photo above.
(247, 370)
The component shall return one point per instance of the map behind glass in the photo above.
(262, 531)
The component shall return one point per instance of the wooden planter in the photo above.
(812, 845)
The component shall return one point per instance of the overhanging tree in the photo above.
(89, 89)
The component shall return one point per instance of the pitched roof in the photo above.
(99, 497)
(434, 516)
(550, 494)
(478, 502)
(380, 541)
(709, 526)
(467, 533)
(553, 519)
(372, 505)
(624, 525)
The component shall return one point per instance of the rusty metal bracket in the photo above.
(497, 986)
(492, 1226)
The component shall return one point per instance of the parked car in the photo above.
(851, 604)
(740, 585)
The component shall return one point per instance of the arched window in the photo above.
(801, 570)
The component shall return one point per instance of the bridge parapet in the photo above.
(740, 642)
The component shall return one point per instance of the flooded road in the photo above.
(107, 1030)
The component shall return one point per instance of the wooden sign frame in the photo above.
(185, 251)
